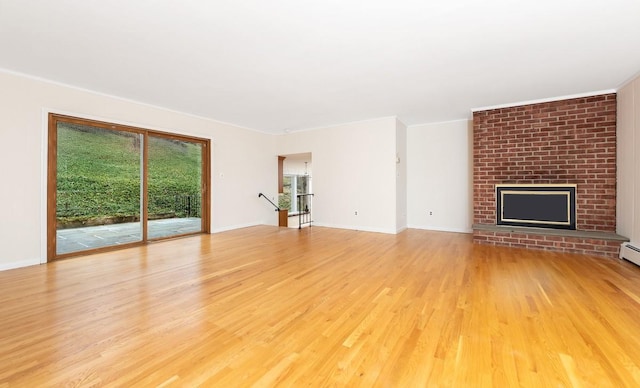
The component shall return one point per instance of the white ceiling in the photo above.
(294, 64)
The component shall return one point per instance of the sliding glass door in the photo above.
(115, 186)
(174, 186)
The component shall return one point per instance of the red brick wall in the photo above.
(581, 245)
(568, 141)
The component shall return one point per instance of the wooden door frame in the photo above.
(52, 143)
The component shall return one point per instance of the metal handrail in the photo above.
(265, 197)
(304, 213)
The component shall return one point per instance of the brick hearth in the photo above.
(567, 141)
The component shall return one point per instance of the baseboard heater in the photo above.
(631, 252)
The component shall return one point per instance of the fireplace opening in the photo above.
(542, 206)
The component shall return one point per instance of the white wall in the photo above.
(439, 176)
(244, 162)
(354, 170)
(628, 162)
(401, 176)
(297, 166)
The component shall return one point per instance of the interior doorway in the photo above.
(296, 192)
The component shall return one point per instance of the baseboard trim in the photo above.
(239, 226)
(442, 229)
(19, 264)
(358, 228)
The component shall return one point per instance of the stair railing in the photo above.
(304, 209)
(265, 197)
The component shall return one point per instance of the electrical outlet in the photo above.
(430, 213)
(356, 212)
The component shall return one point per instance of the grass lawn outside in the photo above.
(99, 176)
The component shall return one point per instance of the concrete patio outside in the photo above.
(79, 239)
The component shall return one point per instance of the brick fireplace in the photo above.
(570, 141)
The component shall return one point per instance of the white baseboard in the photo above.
(359, 228)
(239, 226)
(442, 229)
(19, 264)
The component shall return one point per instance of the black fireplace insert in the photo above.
(535, 205)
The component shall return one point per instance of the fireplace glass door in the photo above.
(545, 206)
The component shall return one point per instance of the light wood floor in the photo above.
(269, 306)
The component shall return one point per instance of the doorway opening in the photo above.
(297, 189)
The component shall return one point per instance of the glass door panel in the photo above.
(174, 187)
(98, 187)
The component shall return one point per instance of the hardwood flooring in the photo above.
(268, 306)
